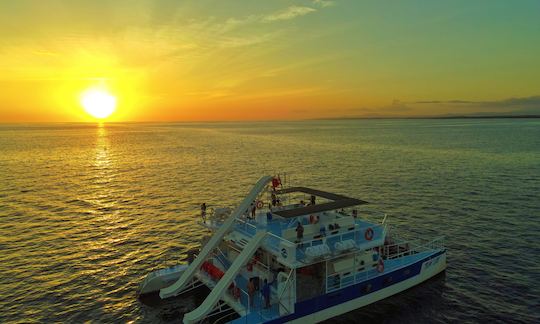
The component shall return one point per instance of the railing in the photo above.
(273, 241)
(350, 276)
(285, 287)
(358, 235)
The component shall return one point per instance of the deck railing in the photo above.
(398, 250)
(358, 235)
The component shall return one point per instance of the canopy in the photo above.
(337, 202)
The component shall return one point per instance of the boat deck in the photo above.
(281, 230)
(257, 313)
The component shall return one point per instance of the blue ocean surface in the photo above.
(86, 211)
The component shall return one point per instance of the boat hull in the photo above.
(159, 279)
(345, 300)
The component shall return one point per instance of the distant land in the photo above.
(435, 117)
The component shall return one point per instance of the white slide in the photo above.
(176, 288)
(211, 300)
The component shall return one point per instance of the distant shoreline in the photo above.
(436, 117)
(278, 120)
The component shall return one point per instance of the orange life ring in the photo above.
(380, 265)
(260, 204)
(369, 234)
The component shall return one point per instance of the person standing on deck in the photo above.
(265, 291)
(247, 213)
(253, 210)
(251, 291)
(299, 233)
(203, 210)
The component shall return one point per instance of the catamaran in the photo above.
(296, 254)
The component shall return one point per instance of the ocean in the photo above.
(86, 211)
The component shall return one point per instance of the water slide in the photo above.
(177, 288)
(211, 300)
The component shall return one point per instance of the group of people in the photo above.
(275, 200)
(265, 292)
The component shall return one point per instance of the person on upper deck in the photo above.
(253, 210)
(299, 232)
(322, 229)
(203, 210)
(312, 200)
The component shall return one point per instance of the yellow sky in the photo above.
(257, 60)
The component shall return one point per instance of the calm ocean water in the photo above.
(86, 211)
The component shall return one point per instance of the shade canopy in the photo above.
(337, 202)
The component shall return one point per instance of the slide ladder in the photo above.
(177, 288)
(223, 284)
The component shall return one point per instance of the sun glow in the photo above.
(98, 102)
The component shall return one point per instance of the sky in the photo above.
(203, 60)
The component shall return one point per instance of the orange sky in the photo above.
(244, 60)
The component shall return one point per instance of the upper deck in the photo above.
(329, 228)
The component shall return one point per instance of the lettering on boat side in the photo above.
(432, 262)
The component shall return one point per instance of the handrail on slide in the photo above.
(213, 298)
(176, 288)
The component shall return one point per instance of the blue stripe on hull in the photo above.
(361, 289)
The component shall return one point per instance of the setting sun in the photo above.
(98, 103)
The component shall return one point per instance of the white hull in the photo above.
(162, 278)
(425, 274)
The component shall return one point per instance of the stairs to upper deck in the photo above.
(177, 288)
(223, 284)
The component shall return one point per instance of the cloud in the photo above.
(521, 105)
(289, 13)
(510, 102)
(324, 3)
(231, 42)
(444, 102)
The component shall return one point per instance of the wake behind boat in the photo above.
(291, 254)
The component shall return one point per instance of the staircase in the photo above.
(223, 284)
(179, 286)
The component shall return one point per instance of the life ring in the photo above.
(369, 234)
(260, 204)
(380, 265)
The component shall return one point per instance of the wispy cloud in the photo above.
(510, 102)
(521, 105)
(247, 40)
(289, 13)
(324, 3)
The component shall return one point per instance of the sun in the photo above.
(98, 102)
